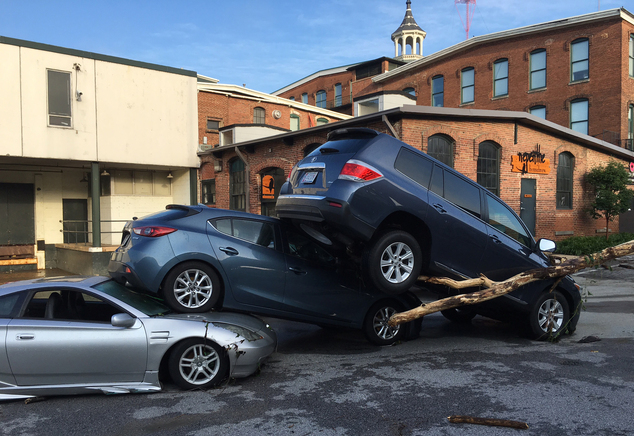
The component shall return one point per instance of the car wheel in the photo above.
(197, 363)
(394, 262)
(549, 316)
(191, 287)
(375, 325)
(460, 315)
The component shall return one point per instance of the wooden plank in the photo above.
(18, 262)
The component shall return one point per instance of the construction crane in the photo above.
(466, 23)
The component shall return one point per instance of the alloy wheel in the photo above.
(193, 288)
(199, 364)
(397, 262)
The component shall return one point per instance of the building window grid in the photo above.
(237, 186)
(338, 100)
(632, 55)
(441, 148)
(208, 190)
(501, 78)
(320, 99)
(438, 91)
(579, 115)
(259, 115)
(565, 169)
(538, 69)
(489, 167)
(579, 60)
(629, 143)
(305, 98)
(467, 85)
(538, 111)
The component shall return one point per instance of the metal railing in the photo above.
(80, 231)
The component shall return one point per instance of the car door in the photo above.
(459, 236)
(318, 288)
(248, 252)
(51, 351)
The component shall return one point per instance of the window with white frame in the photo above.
(294, 122)
(59, 98)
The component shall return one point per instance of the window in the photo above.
(467, 84)
(322, 121)
(410, 91)
(208, 189)
(294, 122)
(305, 248)
(579, 64)
(441, 147)
(237, 188)
(565, 169)
(59, 110)
(414, 166)
(258, 115)
(138, 183)
(538, 111)
(213, 124)
(629, 144)
(368, 71)
(291, 98)
(538, 69)
(501, 78)
(338, 94)
(320, 99)
(579, 115)
(438, 91)
(632, 55)
(506, 221)
(305, 98)
(253, 231)
(462, 193)
(489, 167)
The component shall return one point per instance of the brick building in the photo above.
(487, 146)
(577, 72)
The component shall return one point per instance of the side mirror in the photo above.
(546, 245)
(122, 320)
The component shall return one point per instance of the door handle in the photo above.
(229, 250)
(439, 208)
(24, 336)
(298, 271)
(495, 239)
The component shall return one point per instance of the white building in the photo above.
(74, 124)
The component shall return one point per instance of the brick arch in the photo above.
(576, 97)
(436, 130)
(487, 137)
(577, 36)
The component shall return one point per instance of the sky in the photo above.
(264, 44)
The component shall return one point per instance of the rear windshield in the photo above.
(344, 146)
(168, 214)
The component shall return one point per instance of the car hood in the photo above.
(248, 321)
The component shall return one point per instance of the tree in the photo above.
(612, 195)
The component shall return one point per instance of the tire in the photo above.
(198, 363)
(459, 315)
(549, 316)
(191, 287)
(375, 325)
(394, 261)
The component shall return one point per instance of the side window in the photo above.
(437, 181)
(8, 304)
(301, 246)
(506, 221)
(255, 232)
(414, 166)
(69, 305)
(462, 194)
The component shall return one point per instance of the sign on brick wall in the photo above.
(532, 162)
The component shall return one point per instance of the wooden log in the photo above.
(459, 419)
(496, 289)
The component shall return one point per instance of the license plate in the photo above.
(310, 177)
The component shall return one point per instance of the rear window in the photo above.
(414, 166)
(343, 146)
(168, 214)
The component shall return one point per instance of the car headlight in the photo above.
(241, 331)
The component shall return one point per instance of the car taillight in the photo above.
(359, 172)
(153, 231)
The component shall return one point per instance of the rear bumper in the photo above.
(319, 209)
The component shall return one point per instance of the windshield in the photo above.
(144, 303)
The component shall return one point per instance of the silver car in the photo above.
(78, 335)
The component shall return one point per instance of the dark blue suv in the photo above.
(402, 213)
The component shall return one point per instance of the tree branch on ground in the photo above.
(496, 289)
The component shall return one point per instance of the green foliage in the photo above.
(586, 245)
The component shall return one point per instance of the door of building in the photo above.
(17, 214)
(75, 211)
(528, 203)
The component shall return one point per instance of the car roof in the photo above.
(45, 282)
(214, 212)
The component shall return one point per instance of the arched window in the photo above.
(489, 166)
(411, 91)
(258, 115)
(538, 111)
(237, 185)
(579, 60)
(501, 77)
(579, 115)
(565, 169)
(538, 69)
(441, 147)
(322, 121)
(320, 99)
